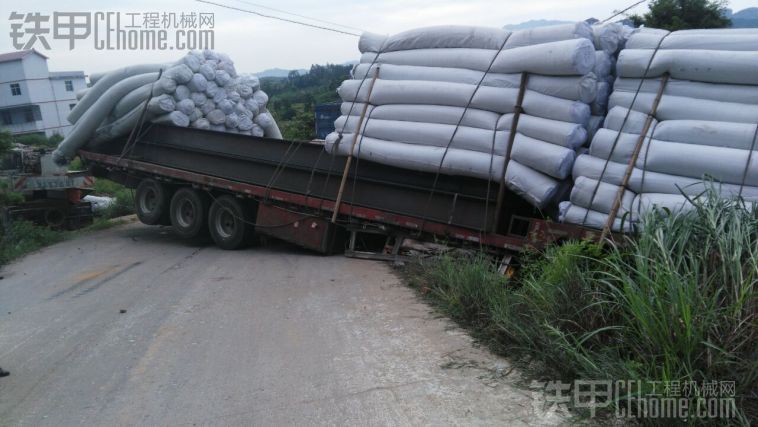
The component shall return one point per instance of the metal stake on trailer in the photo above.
(507, 159)
(633, 160)
(349, 161)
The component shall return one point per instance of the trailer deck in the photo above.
(295, 184)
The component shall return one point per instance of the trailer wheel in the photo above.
(229, 223)
(152, 202)
(188, 212)
(54, 218)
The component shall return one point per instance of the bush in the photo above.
(9, 198)
(123, 205)
(23, 237)
(124, 198)
(676, 303)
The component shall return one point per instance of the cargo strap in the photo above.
(633, 160)
(455, 131)
(357, 131)
(135, 134)
(621, 129)
(518, 109)
(281, 166)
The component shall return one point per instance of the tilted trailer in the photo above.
(233, 186)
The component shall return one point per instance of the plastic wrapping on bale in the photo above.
(743, 94)
(232, 120)
(695, 40)
(245, 123)
(156, 106)
(201, 124)
(568, 57)
(175, 118)
(233, 96)
(548, 34)
(196, 114)
(443, 36)
(733, 67)
(459, 86)
(561, 58)
(197, 82)
(186, 106)
(652, 182)
(207, 71)
(261, 98)
(216, 117)
(222, 78)
(112, 78)
(576, 88)
(94, 117)
(198, 98)
(252, 105)
(684, 108)
(425, 113)
(537, 188)
(211, 89)
(226, 105)
(257, 131)
(500, 100)
(207, 107)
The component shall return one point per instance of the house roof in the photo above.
(66, 74)
(19, 54)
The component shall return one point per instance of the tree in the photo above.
(6, 141)
(675, 15)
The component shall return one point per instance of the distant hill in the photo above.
(534, 23)
(746, 18)
(292, 100)
(278, 72)
(282, 73)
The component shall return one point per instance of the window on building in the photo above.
(69, 85)
(6, 117)
(28, 115)
(15, 89)
(71, 106)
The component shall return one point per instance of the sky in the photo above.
(256, 43)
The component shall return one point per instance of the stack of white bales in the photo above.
(427, 77)
(705, 127)
(202, 90)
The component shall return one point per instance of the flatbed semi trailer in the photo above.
(232, 186)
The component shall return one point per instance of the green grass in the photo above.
(23, 237)
(124, 204)
(676, 303)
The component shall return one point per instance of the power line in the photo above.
(291, 21)
(299, 16)
(623, 11)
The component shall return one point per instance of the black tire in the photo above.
(55, 218)
(230, 223)
(188, 212)
(152, 202)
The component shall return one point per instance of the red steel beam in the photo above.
(540, 232)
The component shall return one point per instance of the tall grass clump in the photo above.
(22, 237)
(676, 303)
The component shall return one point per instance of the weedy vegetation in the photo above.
(677, 302)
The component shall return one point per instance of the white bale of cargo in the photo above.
(704, 131)
(201, 90)
(445, 98)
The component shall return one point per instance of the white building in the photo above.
(33, 99)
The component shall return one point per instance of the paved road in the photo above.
(267, 336)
